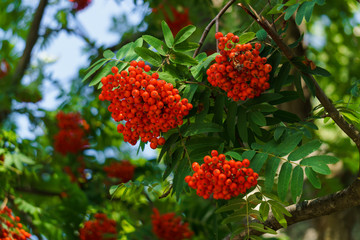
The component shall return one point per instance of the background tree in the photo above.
(80, 175)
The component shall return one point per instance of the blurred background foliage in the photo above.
(54, 207)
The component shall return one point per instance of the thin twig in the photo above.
(208, 27)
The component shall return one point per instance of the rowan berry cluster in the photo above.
(123, 170)
(71, 137)
(10, 226)
(239, 70)
(101, 228)
(225, 179)
(80, 4)
(169, 227)
(147, 105)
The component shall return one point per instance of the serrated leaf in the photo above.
(152, 57)
(290, 11)
(230, 121)
(183, 59)
(322, 159)
(170, 141)
(108, 54)
(321, 72)
(184, 34)
(131, 54)
(282, 76)
(297, 181)
(289, 143)
(219, 109)
(248, 155)
(258, 161)
(168, 36)
(264, 210)
(261, 228)
(94, 69)
(305, 10)
(285, 116)
(284, 180)
(186, 47)
(103, 73)
(189, 91)
(279, 216)
(121, 53)
(258, 118)
(167, 77)
(157, 44)
(278, 132)
(114, 188)
(232, 206)
(242, 124)
(304, 150)
(313, 178)
(199, 128)
(246, 37)
(270, 171)
(261, 35)
(234, 155)
(181, 171)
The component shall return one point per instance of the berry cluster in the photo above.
(80, 4)
(147, 105)
(123, 170)
(10, 226)
(225, 179)
(239, 70)
(101, 228)
(71, 137)
(169, 227)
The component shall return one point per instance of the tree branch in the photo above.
(344, 199)
(30, 43)
(208, 27)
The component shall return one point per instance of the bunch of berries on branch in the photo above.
(80, 4)
(124, 171)
(10, 226)
(101, 228)
(225, 179)
(169, 227)
(239, 70)
(148, 105)
(71, 137)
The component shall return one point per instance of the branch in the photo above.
(208, 27)
(346, 127)
(344, 199)
(30, 43)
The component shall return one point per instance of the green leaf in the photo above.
(309, 83)
(297, 181)
(131, 54)
(103, 73)
(305, 10)
(258, 162)
(186, 47)
(232, 206)
(157, 44)
(279, 216)
(290, 11)
(304, 150)
(246, 37)
(184, 34)
(114, 188)
(257, 118)
(183, 59)
(284, 180)
(286, 116)
(322, 159)
(234, 155)
(199, 128)
(298, 86)
(219, 109)
(121, 53)
(264, 210)
(189, 91)
(168, 36)
(321, 72)
(170, 141)
(270, 171)
(313, 178)
(282, 76)
(94, 69)
(167, 77)
(96, 63)
(230, 121)
(242, 124)
(108, 54)
(181, 172)
(248, 155)
(261, 228)
(261, 35)
(152, 57)
(289, 143)
(279, 132)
